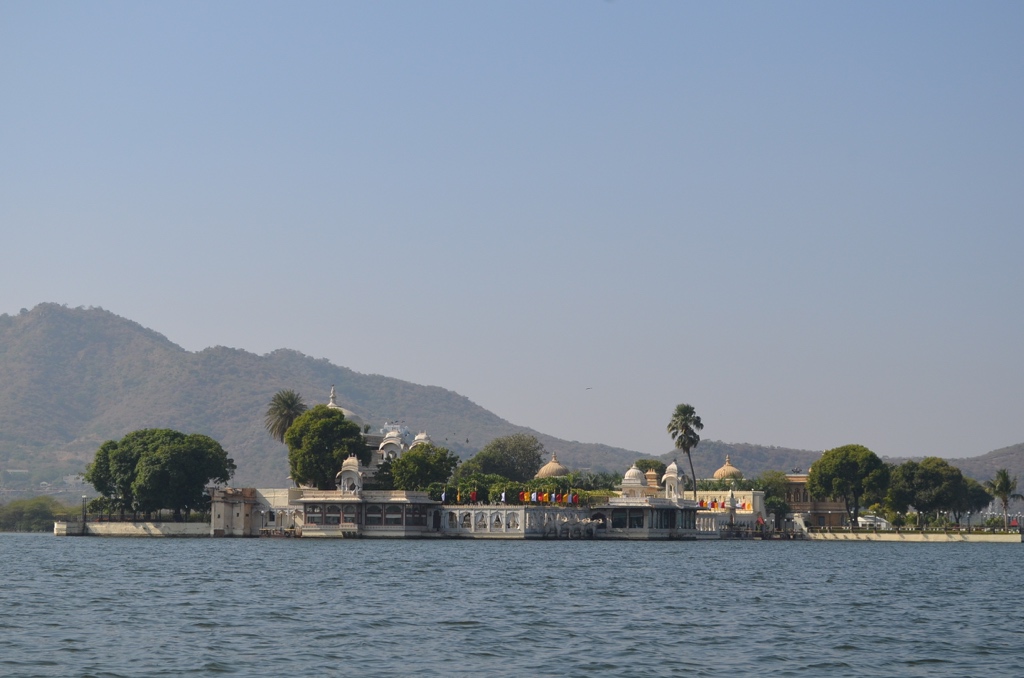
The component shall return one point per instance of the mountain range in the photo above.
(71, 378)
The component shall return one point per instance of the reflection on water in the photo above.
(152, 607)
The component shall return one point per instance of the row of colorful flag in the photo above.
(549, 497)
(741, 505)
(524, 497)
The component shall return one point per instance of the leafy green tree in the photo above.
(851, 473)
(422, 466)
(100, 506)
(646, 465)
(930, 485)
(383, 478)
(151, 469)
(588, 480)
(683, 427)
(175, 475)
(972, 498)
(30, 515)
(774, 484)
(285, 407)
(994, 523)
(318, 443)
(100, 472)
(487, 486)
(937, 485)
(900, 494)
(115, 466)
(1004, 488)
(516, 457)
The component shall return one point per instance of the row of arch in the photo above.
(371, 514)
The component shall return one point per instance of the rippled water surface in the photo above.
(178, 607)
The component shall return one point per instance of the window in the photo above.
(664, 519)
(332, 516)
(636, 518)
(512, 521)
(453, 520)
(350, 515)
(467, 520)
(315, 514)
(416, 514)
(393, 514)
(619, 518)
(373, 514)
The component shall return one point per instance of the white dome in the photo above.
(349, 414)
(634, 477)
(352, 462)
(671, 471)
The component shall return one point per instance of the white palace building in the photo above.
(647, 508)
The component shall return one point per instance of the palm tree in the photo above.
(1004, 488)
(683, 428)
(285, 407)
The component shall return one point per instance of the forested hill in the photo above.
(71, 378)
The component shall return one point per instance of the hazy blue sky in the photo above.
(805, 219)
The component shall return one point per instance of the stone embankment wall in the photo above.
(140, 529)
(917, 537)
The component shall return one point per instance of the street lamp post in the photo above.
(84, 498)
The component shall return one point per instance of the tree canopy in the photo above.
(646, 465)
(516, 457)
(31, 515)
(932, 485)
(682, 428)
(972, 498)
(423, 465)
(318, 443)
(852, 474)
(153, 469)
(774, 484)
(935, 485)
(175, 475)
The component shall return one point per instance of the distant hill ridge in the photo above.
(71, 378)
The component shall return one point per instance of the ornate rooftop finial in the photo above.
(333, 402)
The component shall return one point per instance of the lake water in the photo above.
(191, 607)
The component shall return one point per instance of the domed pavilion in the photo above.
(728, 471)
(552, 469)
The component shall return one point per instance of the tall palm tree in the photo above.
(683, 428)
(1004, 488)
(285, 407)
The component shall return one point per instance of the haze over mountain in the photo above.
(71, 378)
